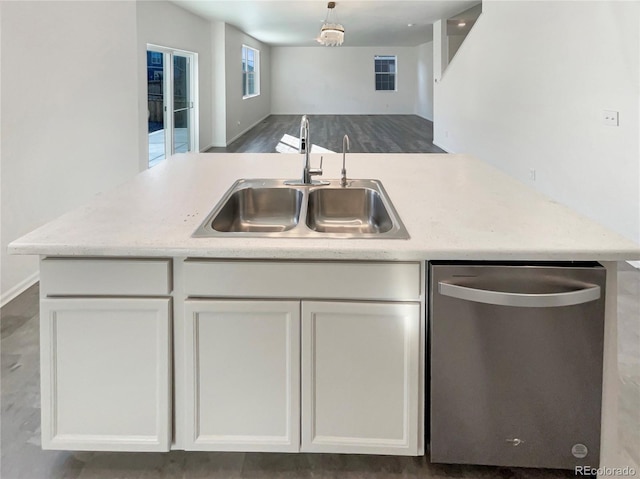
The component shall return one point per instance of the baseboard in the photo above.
(19, 288)
(247, 129)
(203, 150)
(635, 264)
(420, 116)
(443, 148)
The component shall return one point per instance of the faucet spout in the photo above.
(345, 148)
(305, 149)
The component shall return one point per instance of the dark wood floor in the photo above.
(367, 134)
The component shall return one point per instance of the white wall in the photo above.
(69, 113)
(527, 90)
(244, 114)
(219, 83)
(424, 93)
(165, 24)
(326, 80)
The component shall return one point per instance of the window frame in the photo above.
(380, 74)
(246, 74)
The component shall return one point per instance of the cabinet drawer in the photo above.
(104, 277)
(300, 279)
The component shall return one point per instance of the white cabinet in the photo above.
(360, 367)
(105, 354)
(355, 353)
(243, 372)
(240, 356)
(105, 374)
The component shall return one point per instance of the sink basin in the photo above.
(347, 211)
(275, 208)
(264, 210)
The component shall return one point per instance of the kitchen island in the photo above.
(130, 298)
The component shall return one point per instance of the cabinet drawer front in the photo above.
(299, 279)
(103, 277)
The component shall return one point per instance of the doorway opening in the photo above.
(172, 102)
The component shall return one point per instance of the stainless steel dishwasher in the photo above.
(516, 363)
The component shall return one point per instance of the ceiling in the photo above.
(297, 23)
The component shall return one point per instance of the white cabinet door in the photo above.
(360, 375)
(106, 374)
(242, 368)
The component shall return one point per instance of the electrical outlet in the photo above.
(610, 118)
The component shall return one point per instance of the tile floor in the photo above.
(22, 457)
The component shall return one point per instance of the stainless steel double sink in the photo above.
(276, 208)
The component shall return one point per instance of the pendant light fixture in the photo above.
(331, 33)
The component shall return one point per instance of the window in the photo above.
(250, 72)
(385, 70)
(156, 58)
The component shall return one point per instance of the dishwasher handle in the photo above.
(520, 300)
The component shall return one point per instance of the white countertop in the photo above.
(454, 207)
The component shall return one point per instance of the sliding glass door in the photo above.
(182, 104)
(156, 106)
(172, 105)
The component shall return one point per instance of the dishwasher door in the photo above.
(516, 364)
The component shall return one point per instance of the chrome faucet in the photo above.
(305, 148)
(345, 148)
